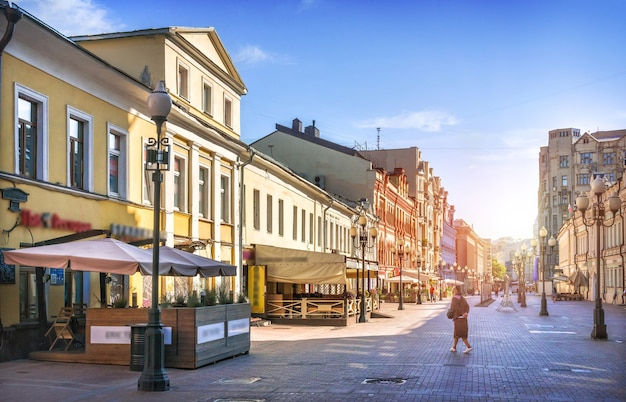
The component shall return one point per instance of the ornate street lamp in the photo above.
(521, 260)
(598, 187)
(400, 250)
(419, 282)
(543, 233)
(361, 232)
(154, 378)
(442, 267)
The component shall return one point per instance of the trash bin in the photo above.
(137, 346)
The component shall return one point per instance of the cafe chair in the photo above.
(61, 328)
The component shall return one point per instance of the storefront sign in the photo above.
(210, 332)
(238, 327)
(112, 334)
(52, 221)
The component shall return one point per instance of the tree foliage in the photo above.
(498, 269)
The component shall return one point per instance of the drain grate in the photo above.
(384, 381)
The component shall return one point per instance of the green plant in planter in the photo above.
(193, 300)
(224, 296)
(180, 301)
(241, 298)
(210, 299)
(120, 302)
(166, 302)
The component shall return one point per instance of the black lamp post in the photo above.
(400, 250)
(363, 244)
(582, 204)
(419, 282)
(154, 378)
(442, 267)
(543, 232)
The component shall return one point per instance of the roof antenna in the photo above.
(378, 139)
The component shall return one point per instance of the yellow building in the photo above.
(73, 130)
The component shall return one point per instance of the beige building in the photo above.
(567, 166)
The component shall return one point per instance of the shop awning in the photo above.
(415, 274)
(301, 266)
(116, 257)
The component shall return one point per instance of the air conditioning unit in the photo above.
(320, 182)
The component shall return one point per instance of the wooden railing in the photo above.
(318, 308)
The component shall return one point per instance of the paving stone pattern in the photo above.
(517, 356)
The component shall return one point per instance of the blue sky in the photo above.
(476, 85)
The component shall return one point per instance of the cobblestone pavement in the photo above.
(517, 356)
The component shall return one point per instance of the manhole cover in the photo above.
(384, 381)
(237, 380)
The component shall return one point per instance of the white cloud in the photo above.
(251, 54)
(428, 120)
(72, 17)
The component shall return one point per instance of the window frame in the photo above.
(41, 152)
(87, 163)
(225, 197)
(204, 192)
(180, 183)
(228, 111)
(182, 83)
(207, 104)
(122, 162)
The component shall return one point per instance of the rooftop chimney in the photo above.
(312, 130)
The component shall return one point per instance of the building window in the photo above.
(608, 158)
(27, 137)
(303, 226)
(564, 181)
(31, 153)
(228, 112)
(270, 218)
(582, 178)
(148, 183)
(77, 155)
(564, 161)
(179, 184)
(564, 197)
(311, 228)
(553, 182)
(204, 192)
(118, 159)
(183, 81)
(319, 232)
(207, 98)
(295, 223)
(281, 217)
(225, 199)
(79, 127)
(586, 158)
(256, 209)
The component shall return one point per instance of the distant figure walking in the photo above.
(432, 294)
(461, 311)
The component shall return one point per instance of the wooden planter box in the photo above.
(194, 337)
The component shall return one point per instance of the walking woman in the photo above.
(461, 310)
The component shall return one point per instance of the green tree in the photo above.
(498, 269)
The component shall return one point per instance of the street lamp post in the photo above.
(363, 244)
(154, 378)
(582, 204)
(400, 249)
(543, 232)
(521, 259)
(419, 282)
(442, 268)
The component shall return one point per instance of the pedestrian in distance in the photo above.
(461, 310)
(432, 293)
(623, 295)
